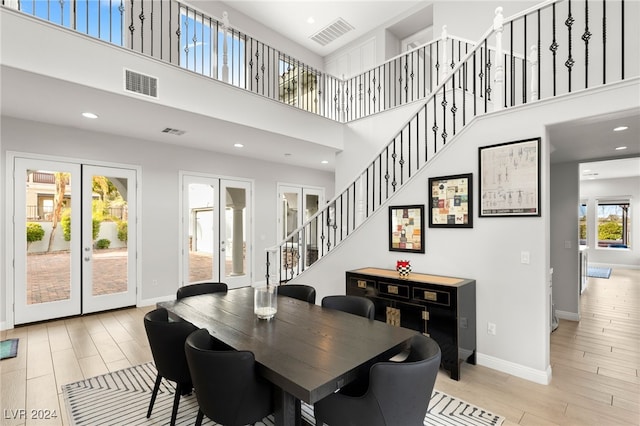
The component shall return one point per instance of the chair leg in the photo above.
(176, 402)
(154, 394)
(199, 417)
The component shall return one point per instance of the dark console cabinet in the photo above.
(437, 306)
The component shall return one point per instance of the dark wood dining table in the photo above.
(306, 351)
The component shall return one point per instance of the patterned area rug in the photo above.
(598, 272)
(122, 397)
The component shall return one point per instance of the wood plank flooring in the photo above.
(595, 364)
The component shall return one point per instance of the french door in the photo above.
(78, 255)
(216, 230)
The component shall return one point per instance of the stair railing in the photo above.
(540, 57)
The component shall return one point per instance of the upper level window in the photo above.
(614, 220)
(203, 50)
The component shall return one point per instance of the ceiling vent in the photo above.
(176, 132)
(333, 31)
(141, 84)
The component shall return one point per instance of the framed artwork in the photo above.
(510, 179)
(451, 201)
(406, 224)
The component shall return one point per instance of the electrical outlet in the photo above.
(524, 257)
(463, 323)
(491, 328)
(154, 282)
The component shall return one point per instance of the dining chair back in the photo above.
(166, 340)
(226, 384)
(398, 392)
(357, 305)
(201, 287)
(298, 291)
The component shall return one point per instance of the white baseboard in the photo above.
(542, 377)
(150, 302)
(5, 325)
(571, 316)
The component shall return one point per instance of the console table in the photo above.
(443, 308)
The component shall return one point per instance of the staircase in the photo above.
(548, 51)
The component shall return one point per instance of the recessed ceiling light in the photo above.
(89, 115)
(621, 128)
(324, 162)
(586, 171)
(238, 145)
(310, 20)
(620, 148)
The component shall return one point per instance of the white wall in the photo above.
(601, 189)
(160, 165)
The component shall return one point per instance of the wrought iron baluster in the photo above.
(586, 36)
(131, 26)
(380, 177)
(366, 197)
(178, 34)
(386, 175)
(512, 66)
(554, 45)
(435, 126)
(524, 63)
(454, 109)
(539, 55)
(426, 134)
(570, 62)
(141, 17)
(444, 115)
(622, 39)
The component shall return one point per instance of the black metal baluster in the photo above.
(430, 68)
(539, 54)
(444, 115)
(569, 62)
(194, 38)
(524, 63)
(186, 40)
(554, 45)
(426, 134)
(464, 93)
(131, 26)
(622, 38)
(386, 175)
(454, 109)
(473, 74)
(366, 196)
(178, 33)
(585, 37)
(437, 62)
(417, 141)
(435, 125)
(380, 177)
(512, 65)
(141, 17)
(604, 42)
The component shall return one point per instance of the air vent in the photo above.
(141, 84)
(176, 132)
(335, 30)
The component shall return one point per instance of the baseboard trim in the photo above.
(571, 316)
(542, 377)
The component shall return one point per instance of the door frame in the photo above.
(9, 251)
(184, 222)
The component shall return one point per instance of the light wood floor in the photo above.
(595, 364)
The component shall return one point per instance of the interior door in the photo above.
(216, 230)
(108, 238)
(46, 260)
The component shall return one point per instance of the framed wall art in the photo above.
(451, 201)
(406, 225)
(510, 179)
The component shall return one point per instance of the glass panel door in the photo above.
(47, 240)
(109, 238)
(216, 230)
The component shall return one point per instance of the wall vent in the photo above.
(331, 32)
(171, 131)
(141, 84)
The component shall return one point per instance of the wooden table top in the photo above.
(306, 350)
(414, 276)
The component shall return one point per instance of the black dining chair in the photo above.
(357, 305)
(201, 287)
(166, 339)
(226, 384)
(298, 291)
(398, 393)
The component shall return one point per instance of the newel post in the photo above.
(498, 87)
(533, 60)
(444, 36)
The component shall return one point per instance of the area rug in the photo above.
(8, 348)
(122, 397)
(598, 272)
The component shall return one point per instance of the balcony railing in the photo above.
(549, 50)
(186, 37)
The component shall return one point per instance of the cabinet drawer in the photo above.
(432, 296)
(361, 286)
(393, 289)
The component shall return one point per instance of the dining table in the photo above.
(306, 351)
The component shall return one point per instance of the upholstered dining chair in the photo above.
(166, 339)
(298, 291)
(398, 393)
(201, 287)
(357, 305)
(226, 385)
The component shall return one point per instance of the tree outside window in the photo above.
(614, 223)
